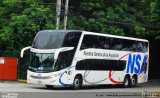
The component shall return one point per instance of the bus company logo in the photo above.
(137, 63)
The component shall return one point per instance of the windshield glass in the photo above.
(42, 62)
(48, 39)
(54, 39)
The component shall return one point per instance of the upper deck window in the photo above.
(53, 39)
(113, 43)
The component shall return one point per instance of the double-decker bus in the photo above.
(73, 58)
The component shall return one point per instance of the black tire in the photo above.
(126, 82)
(49, 86)
(77, 83)
(134, 81)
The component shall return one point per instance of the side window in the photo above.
(94, 41)
(97, 64)
(71, 39)
(121, 64)
(87, 42)
(80, 65)
(64, 59)
(115, 65)
(102, 42)
(129, 45)
(116, 44)
(139, 47)
(145, 46)
(122, 44)
(142, 46)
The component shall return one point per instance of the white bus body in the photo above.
(96, 59)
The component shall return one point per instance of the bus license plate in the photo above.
(40, 82)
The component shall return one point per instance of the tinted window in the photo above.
(48, 39)
(64, 59)
(71, 39)
(93, 41)
(122, 44)
(116, 44)
(95, 64)
(102, 42)
(142, 46)
(129, 45)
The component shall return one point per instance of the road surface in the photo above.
(24, 90)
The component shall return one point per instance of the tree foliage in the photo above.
(20, 20)
(136, 18)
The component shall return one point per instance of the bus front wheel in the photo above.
(77, 83)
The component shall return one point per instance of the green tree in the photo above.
(21, 20)
(24, 20)
(135, 18)
(154, 19)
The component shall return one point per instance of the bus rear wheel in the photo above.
(126, 82)
(77, 83)
(134, 81)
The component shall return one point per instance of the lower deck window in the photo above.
(98, 64)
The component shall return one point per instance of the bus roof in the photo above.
(64, 31)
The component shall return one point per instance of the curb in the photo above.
(22, 81)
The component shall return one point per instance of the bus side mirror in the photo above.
(24, 49)
(61, 50)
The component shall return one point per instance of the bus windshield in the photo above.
(42, 62)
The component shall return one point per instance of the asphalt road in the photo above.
(24, 89)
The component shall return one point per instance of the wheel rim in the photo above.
(133, 81)
(126, 82)
(76, 82)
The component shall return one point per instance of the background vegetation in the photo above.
(20, 20)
